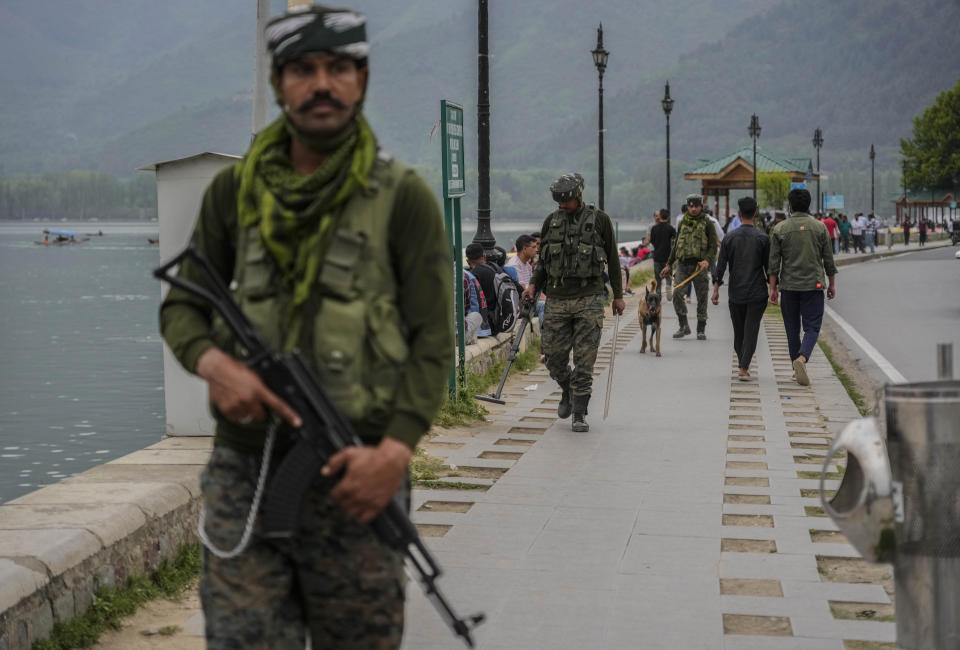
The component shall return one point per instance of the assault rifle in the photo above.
(324, 432)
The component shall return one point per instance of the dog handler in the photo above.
(800, 254)
(578, 241)
(694, 248)
(337, 250)
(746, 250)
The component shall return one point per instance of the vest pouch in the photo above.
(339, 271)
(258, 292)
(389, 350)
(339, 354)
(584, 260)
(257, 272)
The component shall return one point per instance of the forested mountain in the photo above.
(110, 86)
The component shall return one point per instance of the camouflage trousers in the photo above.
(335, 581)
(572, 324)
(700, 285)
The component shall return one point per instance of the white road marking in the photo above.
(892, 373)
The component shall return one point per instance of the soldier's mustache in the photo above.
(318, 99)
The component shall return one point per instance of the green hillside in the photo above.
(115, 86)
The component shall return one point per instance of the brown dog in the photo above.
(649, 313)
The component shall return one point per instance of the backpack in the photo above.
(506, 308)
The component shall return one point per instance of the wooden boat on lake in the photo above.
(60, 238)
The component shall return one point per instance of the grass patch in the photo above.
(639, 278)
(855, 396)
(424, 467)
(112, 604)
(465, 409)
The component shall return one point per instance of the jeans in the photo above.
(802, 310)
(657, 267)
(746, 319)
(836, 245)
(871, 237)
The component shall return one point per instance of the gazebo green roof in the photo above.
(766, 162)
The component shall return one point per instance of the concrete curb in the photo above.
(63, 542)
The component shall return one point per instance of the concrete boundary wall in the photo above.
(61, 543)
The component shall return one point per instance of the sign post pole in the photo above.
(451, 131)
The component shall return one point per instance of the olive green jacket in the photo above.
(420, 257)
(800, 253)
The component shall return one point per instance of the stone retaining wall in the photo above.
(61, 543)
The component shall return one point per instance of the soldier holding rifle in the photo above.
(332, 248)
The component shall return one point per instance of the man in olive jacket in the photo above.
(335, 249)
(800, 255)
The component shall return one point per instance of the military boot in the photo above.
(564, 408)
(701, 330)
(683, 331)
(579, 413)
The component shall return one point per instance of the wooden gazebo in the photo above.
(735, 172)
(938, 206)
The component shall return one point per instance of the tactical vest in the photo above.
(692, 239)
(573, 251)
(350, 330)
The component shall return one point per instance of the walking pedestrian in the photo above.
(870, 232)
(338, 250)
(800, 256)
(922, 229)
(693, 250)
(661, 235)
(746, 250)
(906, 230)
(832, 229)
(578, 240)
(856, 230)
(844, 227)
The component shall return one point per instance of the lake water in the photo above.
(80, 354)
(506, 232)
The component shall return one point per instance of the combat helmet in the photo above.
(567, 187)
(694, 199)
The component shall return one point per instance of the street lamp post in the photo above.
(754, 131)
(817, 143)
(600, 60)
(873, 156)
(667, 104)
(484, 235)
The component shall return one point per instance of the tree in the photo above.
(932, 156)
(773, 188)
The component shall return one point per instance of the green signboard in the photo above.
(451, 129)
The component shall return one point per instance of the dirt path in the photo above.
(160, 624)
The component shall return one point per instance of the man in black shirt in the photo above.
(484, 271)
(746, 250)
(661, 236)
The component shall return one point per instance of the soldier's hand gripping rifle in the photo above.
(324, 432)
(527, 310)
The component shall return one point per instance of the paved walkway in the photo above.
(683, 521)
(688, 519)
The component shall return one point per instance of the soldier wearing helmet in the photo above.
(695, 247)
(577, 241)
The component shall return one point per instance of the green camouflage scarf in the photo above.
(296, 213)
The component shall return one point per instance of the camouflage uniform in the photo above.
(700, 285)
(573, 324)
(349, 582)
